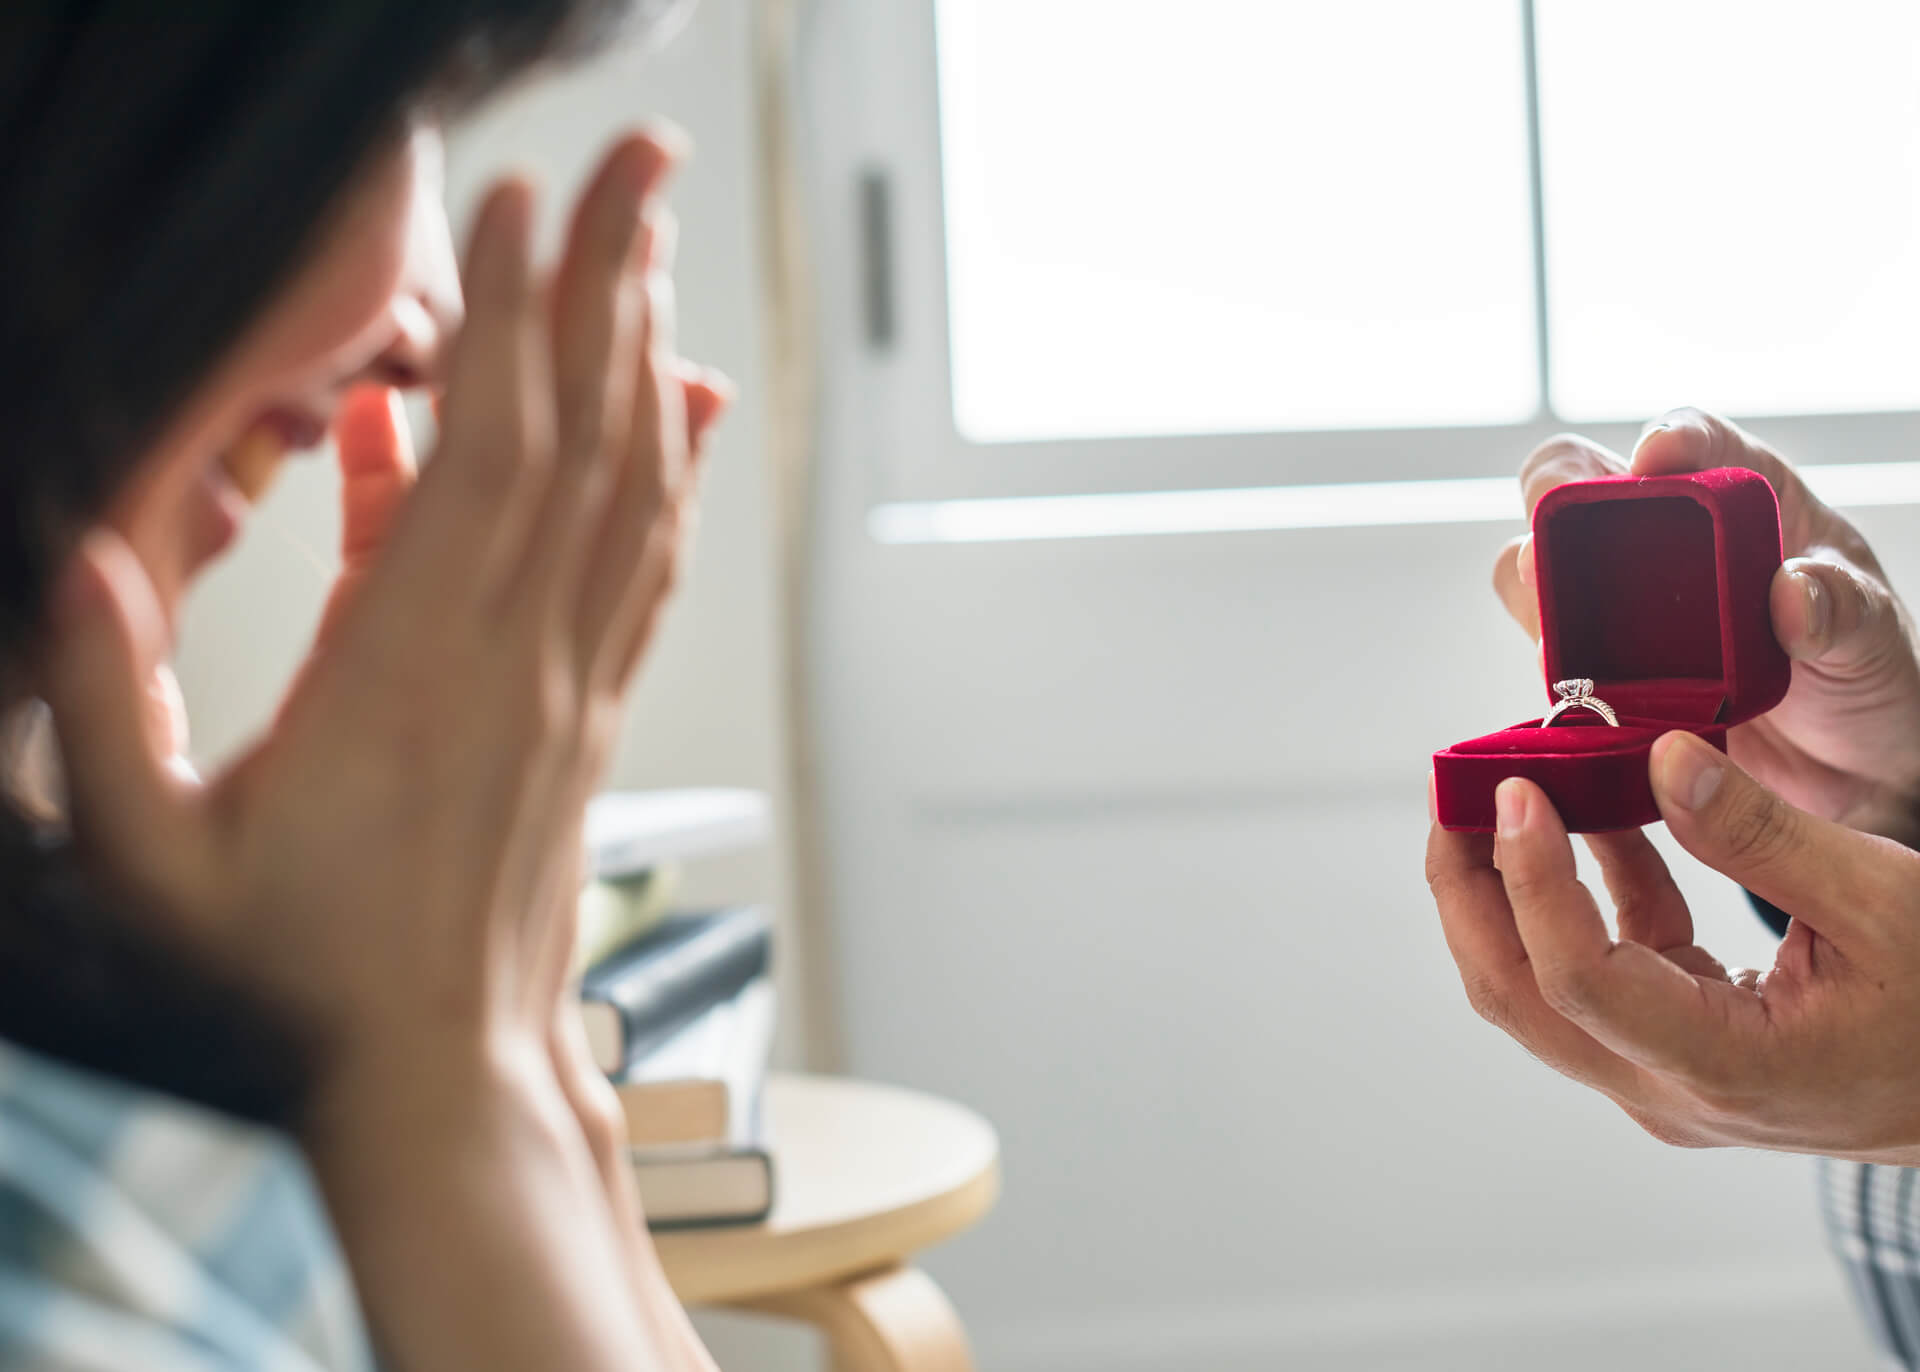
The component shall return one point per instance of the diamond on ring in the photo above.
(1576, 693)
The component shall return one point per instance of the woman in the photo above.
(319, 995)
(1816, 813)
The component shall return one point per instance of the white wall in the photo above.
(1151, 897)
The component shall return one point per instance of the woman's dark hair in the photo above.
(165, 167)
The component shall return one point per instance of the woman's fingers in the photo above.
(708, 395)
(466, 527)
(1626, 995)
(377, 474)
(1824, 874)
(633, 565)
(106, 639)
(377, 470)
(597, 319)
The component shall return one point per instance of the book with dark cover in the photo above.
(702, 1085)
(633, 999)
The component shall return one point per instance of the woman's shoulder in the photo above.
(178, 1235)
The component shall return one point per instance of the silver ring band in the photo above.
(1577, 694)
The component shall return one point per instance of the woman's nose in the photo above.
(428, 309)
(422, 337)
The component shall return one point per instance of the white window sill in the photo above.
(1260, 508)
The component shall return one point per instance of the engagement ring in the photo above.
(1577, 694)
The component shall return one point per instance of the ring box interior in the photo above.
(1657, 588)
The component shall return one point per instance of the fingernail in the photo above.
(1525, 562)
(672, 139)
(723, 386)
(663, 239)
(1660, 428)
(1690, 771)
(1510, 807)
(1433, 800)
(1819, 606)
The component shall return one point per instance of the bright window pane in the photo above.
(1730, 205)
(1234, 215)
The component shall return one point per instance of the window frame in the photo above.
(868, 112)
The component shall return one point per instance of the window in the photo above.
(1093, 248)
(1730, 193)
(1244, 216)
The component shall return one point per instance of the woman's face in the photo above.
(377, 299)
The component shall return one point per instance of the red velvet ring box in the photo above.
(1657, 588)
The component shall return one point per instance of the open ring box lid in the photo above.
(1658, 589)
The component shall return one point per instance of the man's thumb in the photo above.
(1828, 614)
(1809, 867)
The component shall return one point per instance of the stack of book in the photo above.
(678, 1004)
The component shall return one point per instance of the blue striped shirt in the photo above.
(138, 1231)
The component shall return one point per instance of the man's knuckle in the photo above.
(1489, 998)
(1568, 988)
(1527, 886)
(1554, 453)
(1673, 1133)
(1759, 831)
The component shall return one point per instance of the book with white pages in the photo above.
(634, 831)
(702, 1086)
(716, 1181)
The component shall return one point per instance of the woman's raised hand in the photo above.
(1845, 743)
(392, 865)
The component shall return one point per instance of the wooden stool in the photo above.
(864, 1178)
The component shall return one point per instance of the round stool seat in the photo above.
(864, 1177)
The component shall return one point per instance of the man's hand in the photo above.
(1813, 1056)
(1845, 743)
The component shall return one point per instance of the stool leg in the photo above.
(894, 1320)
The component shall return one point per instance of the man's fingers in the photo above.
(1815, 870)
(1564, 458)
(1648, 907)
(1499, 980)
(1513, 583)
(106, 640)
(1691, 440)
(377, 469)
(1628, 997)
